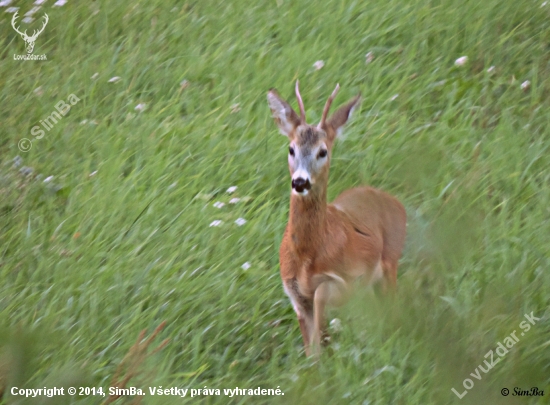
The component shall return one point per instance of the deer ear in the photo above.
(341, 116)
(285, 117)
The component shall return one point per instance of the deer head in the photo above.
(29, 40)
(310, 145)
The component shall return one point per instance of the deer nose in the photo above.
(299, 184)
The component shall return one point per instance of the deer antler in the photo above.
(327, 106)
(23, 34)
(36, 33)
(300, 103)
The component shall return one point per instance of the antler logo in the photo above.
(29, 40)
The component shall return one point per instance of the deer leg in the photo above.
(305, 327)
(321, 298)
(390, 276)
(303, 308)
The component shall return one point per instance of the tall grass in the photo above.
(119, 239)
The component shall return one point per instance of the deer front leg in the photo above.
(327, 293)
(320, 300)
(303, 307)
(306, 323)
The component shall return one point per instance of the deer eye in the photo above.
(291, 151)
(322, 153)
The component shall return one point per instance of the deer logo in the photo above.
(29, 40)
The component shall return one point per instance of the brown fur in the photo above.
(326, 247)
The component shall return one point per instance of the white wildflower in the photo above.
(60, 3)
(234, 200)
(240, 221)
(114, 79)
(48, 179)
(369, 57)
(232, 189)
(39, 2)
(246, 266)
(5, 3)
(318, 65)
(217, 222)
(525, 85)
(461, 61)
(26, 171)
(336, 325)
(27, 20)
(379, 371)
(92, 174)
(491, 69)
(544, 3)
(12, 9)
(140, 107)
(32, 11)
(218, 204)
(392, 98)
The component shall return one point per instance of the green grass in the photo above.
(87, 262)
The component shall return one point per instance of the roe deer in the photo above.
(326, 247)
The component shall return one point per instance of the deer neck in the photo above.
(307, 222)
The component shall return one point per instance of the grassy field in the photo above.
(119, 239)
